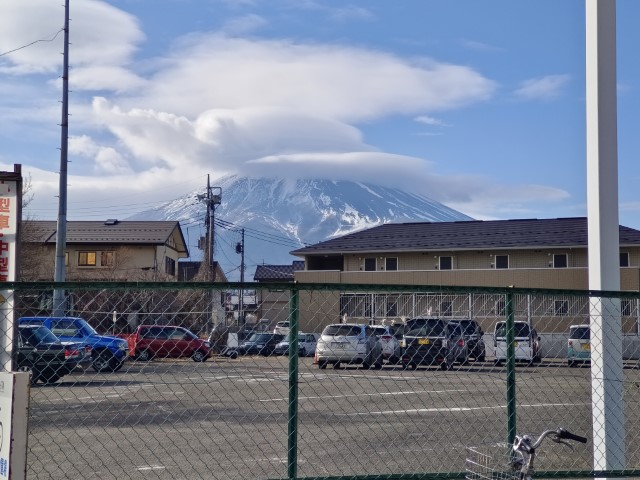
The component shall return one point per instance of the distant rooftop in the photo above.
(276, 273)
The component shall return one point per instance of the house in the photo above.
(273, 303)
(189, 271)
(104, 250)
(528, 253)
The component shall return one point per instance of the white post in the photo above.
(604, 244)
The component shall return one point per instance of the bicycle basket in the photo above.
(492, 462)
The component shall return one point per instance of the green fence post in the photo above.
(511, 371)
(292, 453)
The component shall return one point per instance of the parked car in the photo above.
(282, 328)
(390, 342)
(427, 341)
(349, 343)
(169, 341)
(526, 346)
(306, 345)
(48, 359)
(579, 345)
(260, 343)
(108, 353)
(473, 337)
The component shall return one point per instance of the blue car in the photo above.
(579, 345)
(108, 354)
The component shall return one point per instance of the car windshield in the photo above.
(469, 327)
(522, 330)
(580, 333)
(379, 331)
(37, 335)
(260, 337)
(454, 330)
(342, 330)
(425, 327)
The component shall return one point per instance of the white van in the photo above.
(527, 342)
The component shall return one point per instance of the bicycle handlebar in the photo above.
(564, 434)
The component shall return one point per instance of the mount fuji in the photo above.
(280, 215)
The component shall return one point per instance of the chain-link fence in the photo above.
(322, 381)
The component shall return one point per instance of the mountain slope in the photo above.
(281, 215)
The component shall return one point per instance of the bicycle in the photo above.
(520, 458)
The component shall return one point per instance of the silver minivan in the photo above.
(349, 343)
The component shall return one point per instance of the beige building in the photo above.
(548, 254)
(104, 250)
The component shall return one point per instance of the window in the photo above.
(502, 261)
(560, 260)
(87, 259)
(446, 308)
(500, 308)
(446, 263)
(107, 259)
(625, 308)
(370, 264)
(624, 259)
(170, 266)
(391, 264)
(561, 307)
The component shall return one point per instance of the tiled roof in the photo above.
(277, 272)
(119, 232)
(466, 235)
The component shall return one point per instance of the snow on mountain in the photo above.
(281, 215)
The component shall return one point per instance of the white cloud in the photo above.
(543, 88)
(100, 36)
(427, 120)
(341, 82)
(244, 24)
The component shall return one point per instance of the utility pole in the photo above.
(61, 230)
(240, 250)
(212, 200)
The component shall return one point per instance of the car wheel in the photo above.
(144, 355)
(445, 366)
(303, 352)
(198, 356)
(322, 364)
(33, 379)
(571, 363)
(49, 376)
(103, 362)
(233, 355)
(498, 363)
(481, 357)
(336, 365)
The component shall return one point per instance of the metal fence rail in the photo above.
(184, 406)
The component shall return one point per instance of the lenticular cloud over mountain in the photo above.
(280, 215)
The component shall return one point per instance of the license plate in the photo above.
(586, 346)
(337, 345)
(423, 341)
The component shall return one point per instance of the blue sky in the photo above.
(478, 104)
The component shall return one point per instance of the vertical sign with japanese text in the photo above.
(9, 208)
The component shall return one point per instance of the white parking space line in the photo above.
(377, 394)
(458, 409)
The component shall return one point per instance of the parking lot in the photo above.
(228, 418)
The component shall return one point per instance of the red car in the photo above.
(168, 341)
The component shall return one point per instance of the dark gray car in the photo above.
(473, 337)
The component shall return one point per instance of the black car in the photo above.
(424, 342)
(473, 336)
(260, 344)
(48, 359)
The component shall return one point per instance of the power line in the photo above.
(33, 43)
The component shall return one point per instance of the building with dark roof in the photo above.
(273, 303)
(529, 253)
